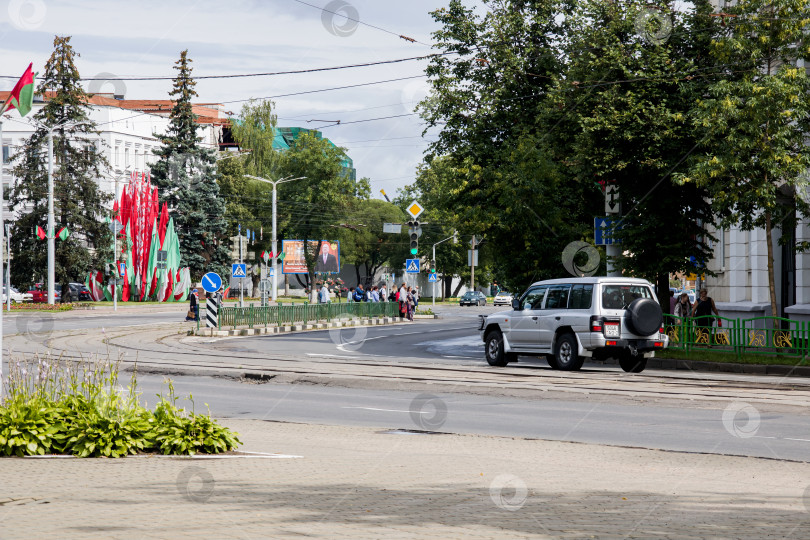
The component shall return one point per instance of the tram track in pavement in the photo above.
(518, 378)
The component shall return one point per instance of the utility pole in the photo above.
(472, 265)
(8, 274)
(274, 183)
(51, 232)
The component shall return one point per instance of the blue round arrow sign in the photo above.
(211, 282)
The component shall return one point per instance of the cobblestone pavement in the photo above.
(361, 483)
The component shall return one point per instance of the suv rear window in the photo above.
(581, 296)
(620, 296)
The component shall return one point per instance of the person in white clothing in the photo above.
(324, 294)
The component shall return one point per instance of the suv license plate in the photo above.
(612, 330)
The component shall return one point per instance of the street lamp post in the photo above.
(275, 253)
(51, 233)
(455, 239)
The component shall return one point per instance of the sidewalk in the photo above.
(362, 483)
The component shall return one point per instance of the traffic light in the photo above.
(413, 228)
(433, 266)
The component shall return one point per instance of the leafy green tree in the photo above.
(363, 242)
(186, 175)
(79, 203)
(317, 203)
(626, 95)
(754, 122)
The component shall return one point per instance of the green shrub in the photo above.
(30, 428)
(181, 432)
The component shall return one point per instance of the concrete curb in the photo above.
(376, 321)
(723, 367)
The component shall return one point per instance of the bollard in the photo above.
(211, 310)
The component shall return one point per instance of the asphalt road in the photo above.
(776, 436)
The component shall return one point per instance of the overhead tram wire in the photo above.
(358, 21)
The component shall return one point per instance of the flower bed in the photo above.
(54, 406)
(42, 307)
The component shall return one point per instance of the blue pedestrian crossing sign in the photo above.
(412, 266)
(271, 272)
(239, 270)
(433, 278)
(211, 282)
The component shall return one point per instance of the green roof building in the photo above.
(286, 136)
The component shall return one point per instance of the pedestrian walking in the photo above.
(193, 306)
(682, 306)
(409, 300)
(360, 294)
(703, 308)
(672, 302)
(383, 293)
(323, 294)
(415, 293)
(350, 294)
(374, 295)
(402, 295)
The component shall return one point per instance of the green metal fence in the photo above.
(758, 335)
(280, 315)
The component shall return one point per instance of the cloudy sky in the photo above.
(144, 38)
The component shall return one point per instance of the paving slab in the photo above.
(370, 483)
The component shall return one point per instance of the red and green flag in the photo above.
(63, 234)
(41, 233)
(22, 96)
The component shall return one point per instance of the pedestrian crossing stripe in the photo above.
(413, 266)
(239, 270)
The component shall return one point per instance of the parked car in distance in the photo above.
(17, 296)
(503, 298)
(39, 294)
(79, 292)
(473, 298)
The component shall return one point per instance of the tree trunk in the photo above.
(447, 282)
(357, 273)
(771, 284)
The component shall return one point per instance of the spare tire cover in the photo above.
(644, 316)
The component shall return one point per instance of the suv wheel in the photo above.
(493, 345)
(565, 353)
(552, 361)
(632, 364)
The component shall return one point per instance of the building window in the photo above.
(6, 152)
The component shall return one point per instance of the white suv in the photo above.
(568, 320)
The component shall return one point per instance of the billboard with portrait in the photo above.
(327, 260)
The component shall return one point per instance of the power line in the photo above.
(267, 74)
(358, 21)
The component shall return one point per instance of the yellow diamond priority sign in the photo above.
(415, 209)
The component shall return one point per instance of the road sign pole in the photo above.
(434, 283)
(275, 248)
(241, 280)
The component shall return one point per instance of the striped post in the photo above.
(211, 312)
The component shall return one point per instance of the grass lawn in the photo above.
(707, 355)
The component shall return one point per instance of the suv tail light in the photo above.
(596, 323)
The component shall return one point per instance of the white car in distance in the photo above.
(503, 298)
(17, 296)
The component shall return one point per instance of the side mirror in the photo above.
(516, 304)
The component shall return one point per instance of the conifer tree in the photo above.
(79, 203)
(186, 176)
